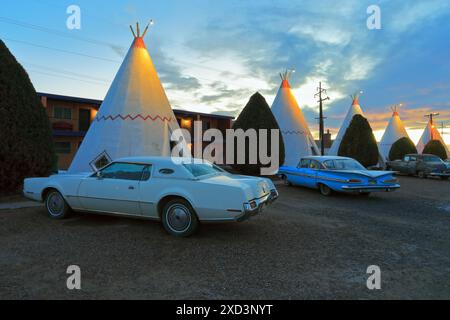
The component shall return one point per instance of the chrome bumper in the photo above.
(260, 204)
(371, 188)
(439, 174)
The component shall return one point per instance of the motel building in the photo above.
(70, 118)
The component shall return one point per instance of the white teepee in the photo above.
(354, 110)
(298, 140)
(430, 133)
(135, 118)
(394, 131)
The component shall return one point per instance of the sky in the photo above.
(212, 56)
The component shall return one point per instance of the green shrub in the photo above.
(256, 115)
(400, 148)
(359, 142)
(26, 144)
(435, 147)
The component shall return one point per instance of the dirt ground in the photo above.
(304, 246)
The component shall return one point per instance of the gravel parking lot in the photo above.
(305, 246)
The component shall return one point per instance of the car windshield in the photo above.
(343, 164)
(201, 169)
(432, 159)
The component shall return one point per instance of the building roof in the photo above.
(99, 102)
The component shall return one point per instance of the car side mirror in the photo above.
(99, 175)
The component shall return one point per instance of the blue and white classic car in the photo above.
(341, 174)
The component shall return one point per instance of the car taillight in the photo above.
(354, 181)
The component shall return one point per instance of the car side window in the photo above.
(329, 164)
(406, 158)
(412, 159)
(305, 163)
(314, 165)
(124, 171)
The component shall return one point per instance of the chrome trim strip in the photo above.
(108, 199)
(395, 186)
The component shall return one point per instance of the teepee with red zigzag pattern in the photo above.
(135, 118)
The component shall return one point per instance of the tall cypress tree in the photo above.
(359, 142)
(435, 147)
(257, 115)
(400, 148)
(26, 144)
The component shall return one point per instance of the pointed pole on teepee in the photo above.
(431, 115)
(132, 31)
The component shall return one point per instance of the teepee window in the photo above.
(100, 161)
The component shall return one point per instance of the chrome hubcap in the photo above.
(55, 204)
(178, 218)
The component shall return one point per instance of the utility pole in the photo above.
(431, 115)
(319, 93)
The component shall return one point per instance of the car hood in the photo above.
(254, 187)
(367, 173)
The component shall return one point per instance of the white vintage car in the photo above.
(180, 192)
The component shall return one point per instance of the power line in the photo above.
(66, 77)
(62, 50)
(58, 33)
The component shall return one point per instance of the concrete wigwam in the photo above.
(394, 131)
(135, 117)
(297, 137)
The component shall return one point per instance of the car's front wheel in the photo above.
(421, 174)
(325, 190)
(56, 206)
(179, 218)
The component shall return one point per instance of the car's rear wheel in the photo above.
(325, 190)
(57, 207)
(421, 174)
(179, 218)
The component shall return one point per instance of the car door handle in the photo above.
(131, 187)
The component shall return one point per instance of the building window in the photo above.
(62, 113)
(84, 119)
(62, 147)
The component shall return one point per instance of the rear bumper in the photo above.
(261, 203)
(439, 174)
(371, 188)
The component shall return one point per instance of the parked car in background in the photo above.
(341, 174)
(180, 193)
(421, 165)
